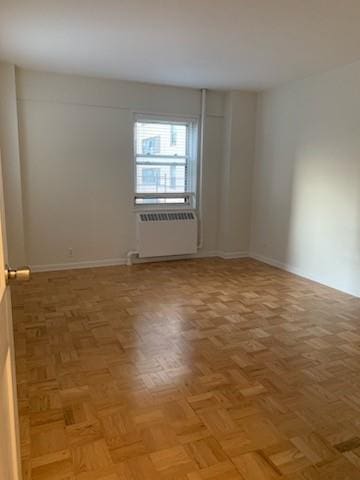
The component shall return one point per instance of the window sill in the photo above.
(162, 207)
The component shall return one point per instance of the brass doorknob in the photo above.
(21, 274)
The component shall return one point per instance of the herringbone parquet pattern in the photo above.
(191, 370)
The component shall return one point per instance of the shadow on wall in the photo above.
(306, 195)
(324, 223)
(273, 182)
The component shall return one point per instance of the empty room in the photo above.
(180, 240)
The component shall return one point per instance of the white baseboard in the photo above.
(301, 273)
(206, 254)
(76, 265)
(231, 255)
(286, 266)
(123, 261)
(274, 263)
(113, 262)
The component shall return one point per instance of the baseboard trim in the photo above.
(52, 267)
(171, 258)
(274, 263)
(296, 271)
(232, 255)
(77, 265)
(123, 261)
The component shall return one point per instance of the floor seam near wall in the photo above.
(123, 261)
(301, 273)
(208, 254)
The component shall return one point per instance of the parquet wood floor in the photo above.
(191, 370)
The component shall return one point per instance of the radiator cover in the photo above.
(162, 234)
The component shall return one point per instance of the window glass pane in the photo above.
(173, 135)
(161, 139)
(166, 178)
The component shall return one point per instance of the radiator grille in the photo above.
(172, 216)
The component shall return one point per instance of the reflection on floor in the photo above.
(190, 370)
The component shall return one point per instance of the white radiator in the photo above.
(165, 234)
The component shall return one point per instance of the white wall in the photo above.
(306, 190)
(76, 137)
(76, 162)
(238, 158)
(9, 147)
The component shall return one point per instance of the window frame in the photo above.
(191, 163)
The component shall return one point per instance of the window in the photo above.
(165, 161)
(151, 176)
(151, 146)
(173, 135)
